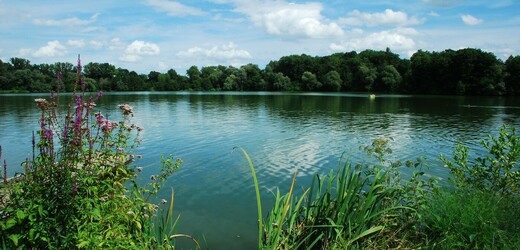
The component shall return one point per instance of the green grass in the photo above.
(341, 210)
(473, 219)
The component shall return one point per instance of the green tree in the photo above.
(310, 81)
(20, 63)
(332, 81)
(512, 75)
(390, 78)
(194, 76)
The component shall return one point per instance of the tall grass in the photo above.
(343, 209)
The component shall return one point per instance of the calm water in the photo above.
(213, 188)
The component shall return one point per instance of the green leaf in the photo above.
(14, 238)
(20, 214)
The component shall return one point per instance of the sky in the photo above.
(158, 35)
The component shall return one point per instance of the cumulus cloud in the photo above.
(227, 51)
(398, 39)
(76, 43)
(471, 20)
(74, 21)
(290, 20)
(387, 17)
(52, 49)
(137, 49)
(173, 8)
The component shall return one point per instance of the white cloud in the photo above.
(142, 48)
(52, 49)
(471, 20)
(290, 20)
(24, 52)
(174, 8)
(398, 39)
(76, 43)
(96, 44)
(116, 44)
(129, 58)
(69, 22)
(387, 17)
(227, 51)
(137, 49)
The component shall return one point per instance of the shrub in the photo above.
(498, 171)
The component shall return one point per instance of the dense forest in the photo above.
(454, 72)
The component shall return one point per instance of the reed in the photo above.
(339, 210)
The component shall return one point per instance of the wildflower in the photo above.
(82, 84)
(127, 109)
(47, 133)
(103, 199)
(89, 105)
(130, 212)
(79, 64)
(146, 216)
(42, 103)
(100, 94)
(163, 201)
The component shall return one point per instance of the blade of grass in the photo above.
(258, 198)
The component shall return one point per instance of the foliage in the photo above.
(364, 205)
(80, 188)
(478, 211)
(472, 219)
(461, 72)
(498, 171)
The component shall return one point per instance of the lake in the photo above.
(214, 192)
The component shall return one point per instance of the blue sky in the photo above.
(147, 35)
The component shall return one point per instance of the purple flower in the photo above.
(83, 84)
(47, 133)
(58, 75)
(100, 94)
(42, 122)
(79, 64)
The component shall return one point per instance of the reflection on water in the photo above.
(214, 193)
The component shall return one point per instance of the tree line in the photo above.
(467, 71)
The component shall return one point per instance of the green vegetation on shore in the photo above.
(450, 72)
(372, 206)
